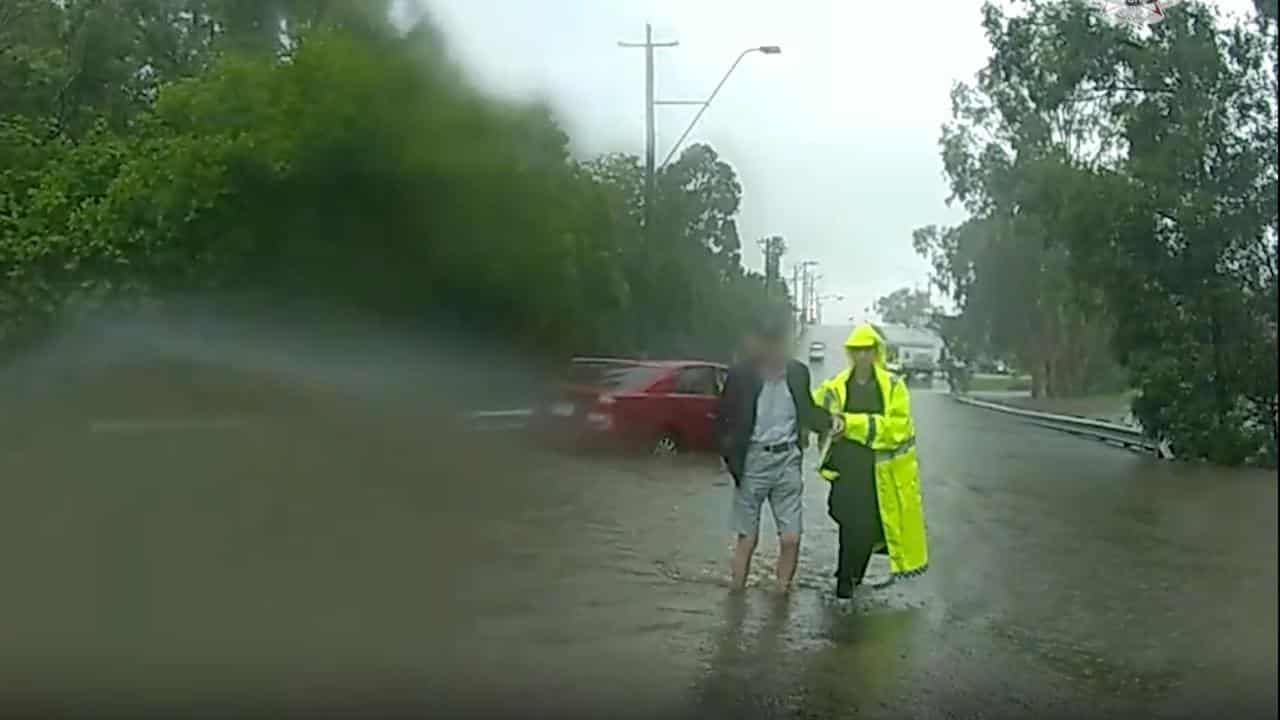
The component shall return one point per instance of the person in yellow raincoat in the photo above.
(871, 465)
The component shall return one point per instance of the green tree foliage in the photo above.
(307, 150)
(905, 306)
(1032, 112)
(1123, 195)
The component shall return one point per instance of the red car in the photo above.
(661, 407)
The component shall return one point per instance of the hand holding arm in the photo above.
(887, 430)
(816, 417)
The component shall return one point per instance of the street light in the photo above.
(763, 49)
(837, 297)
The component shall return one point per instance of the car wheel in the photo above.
(667, 445)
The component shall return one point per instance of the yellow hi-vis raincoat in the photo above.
(893, 438)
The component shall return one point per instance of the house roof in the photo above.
(902, 335)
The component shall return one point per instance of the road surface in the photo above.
(373, 563)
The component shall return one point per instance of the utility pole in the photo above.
(795, 296)
(806, 290)
(815, 301)
(650, 134)
(774, 248)
(802, 299)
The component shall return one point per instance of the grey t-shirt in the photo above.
(775, 413)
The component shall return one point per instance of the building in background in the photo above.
(915, 352)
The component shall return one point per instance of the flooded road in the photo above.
(317, 562)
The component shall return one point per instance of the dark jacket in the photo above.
(736, 416)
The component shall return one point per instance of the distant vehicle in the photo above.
(914, 364)
(912, 352)
(994, 367)
(661, 407)
(817, 351)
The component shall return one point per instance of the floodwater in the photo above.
(350, 559)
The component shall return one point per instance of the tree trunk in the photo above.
(1075, 359)
(1047, 346)
(1054, 367)
(1037, 380)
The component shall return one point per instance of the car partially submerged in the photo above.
(661, 407)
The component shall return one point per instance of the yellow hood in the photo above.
(865, 335)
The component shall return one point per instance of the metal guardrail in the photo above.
(1115, 433)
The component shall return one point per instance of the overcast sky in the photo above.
(835, 140)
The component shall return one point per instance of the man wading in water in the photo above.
(763, 425)
(871, 464)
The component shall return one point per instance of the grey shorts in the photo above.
(778, 478)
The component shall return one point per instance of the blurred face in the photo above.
(862, 358)
(767, 348)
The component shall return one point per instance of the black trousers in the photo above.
(853, 504)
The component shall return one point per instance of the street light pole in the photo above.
(650, 166)
(823, 298)
(763, 49)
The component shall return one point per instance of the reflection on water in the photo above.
(334, 550)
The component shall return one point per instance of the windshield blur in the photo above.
(611, 375)
(360, 353)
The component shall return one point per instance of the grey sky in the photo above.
(834, 140)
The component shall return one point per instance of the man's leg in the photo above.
(786, 501)
(743, 549)
(788, 559)
(747, 499)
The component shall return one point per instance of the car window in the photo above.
(696, 381)
(608, 375)
(722, 374)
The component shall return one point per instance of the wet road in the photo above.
(348, 561)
